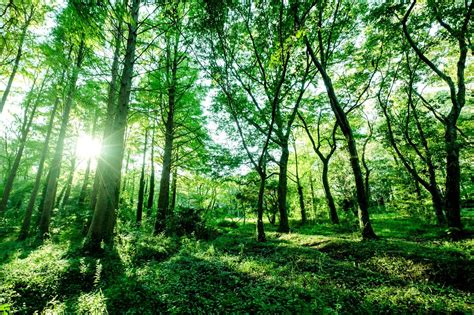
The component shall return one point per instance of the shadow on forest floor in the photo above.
(315, 269)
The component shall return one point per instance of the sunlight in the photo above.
(87, 147)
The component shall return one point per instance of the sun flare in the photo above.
(87, 147)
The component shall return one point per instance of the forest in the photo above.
(236, 156)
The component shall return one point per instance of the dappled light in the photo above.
(242, 157)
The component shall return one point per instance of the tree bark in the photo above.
(103, 220)
(51, 185)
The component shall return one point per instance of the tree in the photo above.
(326, 47)
(325, 158)
(103, 220)
(454, 21)
(25, 130)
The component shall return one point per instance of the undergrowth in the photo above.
(318, 268)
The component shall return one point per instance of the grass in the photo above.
(318, 268)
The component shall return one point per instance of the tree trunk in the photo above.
(174, 187)
(57, 159)
(261, 193)
(363, 210)
(141, 189)
(15, 64)
(299, 188)
(69, 181)
(25, 227)
(327, 193)
(313, 196)
(453, 177)
(25, 130)
(163, 197)
(151, 193)
(85, 183)
(103, 220)
(111, 112)
(283, 189)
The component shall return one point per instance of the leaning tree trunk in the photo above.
(103, 220)
(58, 156)
(363, 210)
(25, 227)
(16, 63)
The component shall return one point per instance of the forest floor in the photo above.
(317, 268)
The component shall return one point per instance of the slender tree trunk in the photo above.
(125, 177)
(25, 130)
(132, 191)
(261, 193)
(163, 197)
(141, 189)
(363, 210)
(43, 195)
(16, 63)
(57, 204)
(327, 192)
(57, 159)
(85, 183)
(69, 181)
(25, 227)
(283, 189)
(313, 196)
(151, 194)
(174, 187)
(103, 220)
(299, 188)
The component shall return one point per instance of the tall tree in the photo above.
(325, 158)
(454, 20)
(27, 10)
(25, 130)
(103, 220)
(325, 42)
(51, 185)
